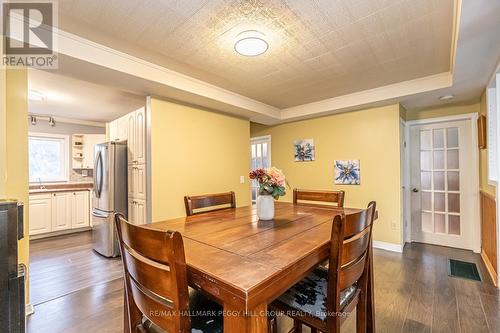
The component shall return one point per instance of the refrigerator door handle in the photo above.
(98, 180)
(97, 214)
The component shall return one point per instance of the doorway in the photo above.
(260, 148)
(444, 182)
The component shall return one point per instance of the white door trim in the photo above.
(476, 227)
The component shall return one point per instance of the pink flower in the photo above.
(277, 176)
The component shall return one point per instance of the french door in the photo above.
(260, 148)
(442, 179)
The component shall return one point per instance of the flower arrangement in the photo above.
(271, 181)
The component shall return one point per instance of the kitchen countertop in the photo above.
(60, 187)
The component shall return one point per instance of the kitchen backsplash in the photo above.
(81, 175)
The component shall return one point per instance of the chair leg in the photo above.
(273, 325)
(361, 314)
(297, 326)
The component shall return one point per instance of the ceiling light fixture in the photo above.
(446, 97)
(251, 43)
(36, 96)
(33, 120)
(52, 121)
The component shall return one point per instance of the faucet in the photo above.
(42, 187)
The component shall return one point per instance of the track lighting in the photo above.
(52, 122)
(33, 120)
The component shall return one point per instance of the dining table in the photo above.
(245, 263)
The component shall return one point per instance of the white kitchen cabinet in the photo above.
(139, 151)
(134, 126)
(61, 211)
(137, 181)
(80, 216)
(137, 211)
(118, 129)
(89, 142)
(112, 130)
(40, 213)
(137, 136)
(58, 211)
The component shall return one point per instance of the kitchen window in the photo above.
(48, 157)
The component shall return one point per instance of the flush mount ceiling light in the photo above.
(446, 97)
(36, 96)
(250, 43)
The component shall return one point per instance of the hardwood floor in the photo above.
(413, 292)
(64, 264)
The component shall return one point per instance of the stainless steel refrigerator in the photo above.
(110, 195)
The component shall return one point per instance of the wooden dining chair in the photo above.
(305, 197)
(325, 298)
(217, 200)
(156, 290)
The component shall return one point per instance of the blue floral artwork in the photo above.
(346, 172)
(304, 150)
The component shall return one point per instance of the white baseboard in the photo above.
(388, 246)
(29, 309)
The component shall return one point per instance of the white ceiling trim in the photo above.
(339, 104)
(457, 13)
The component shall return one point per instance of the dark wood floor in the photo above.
(413, 292)
(64, 264)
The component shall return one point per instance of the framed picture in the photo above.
(304, 150)
(481, 131)
(346, 172)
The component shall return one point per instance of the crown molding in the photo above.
(367, 97)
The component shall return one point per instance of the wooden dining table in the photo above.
(245, 264)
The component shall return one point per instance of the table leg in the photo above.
(370, 301)
(255, 321)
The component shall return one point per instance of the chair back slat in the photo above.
(216, 200)
(155, 276)
(354, 247)
(356, 223)
(158, 311)
(146, 272)
(351, 273)
(323, 196)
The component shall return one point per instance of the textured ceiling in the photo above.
(318, 48)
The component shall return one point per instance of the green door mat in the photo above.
(463, 269)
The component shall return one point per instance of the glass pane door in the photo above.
(440, 180)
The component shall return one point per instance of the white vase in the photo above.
(265, 207)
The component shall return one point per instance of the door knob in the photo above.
(415, 190)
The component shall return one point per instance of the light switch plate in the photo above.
(242, 179)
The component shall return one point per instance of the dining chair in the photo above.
(157, 296)
(324, 298)
(305, 197)
(216, 200)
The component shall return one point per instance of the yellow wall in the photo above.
(15, 161)
(194, 151)
(442, 111)
(3, 126)
(371, 135)
(483, 157)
